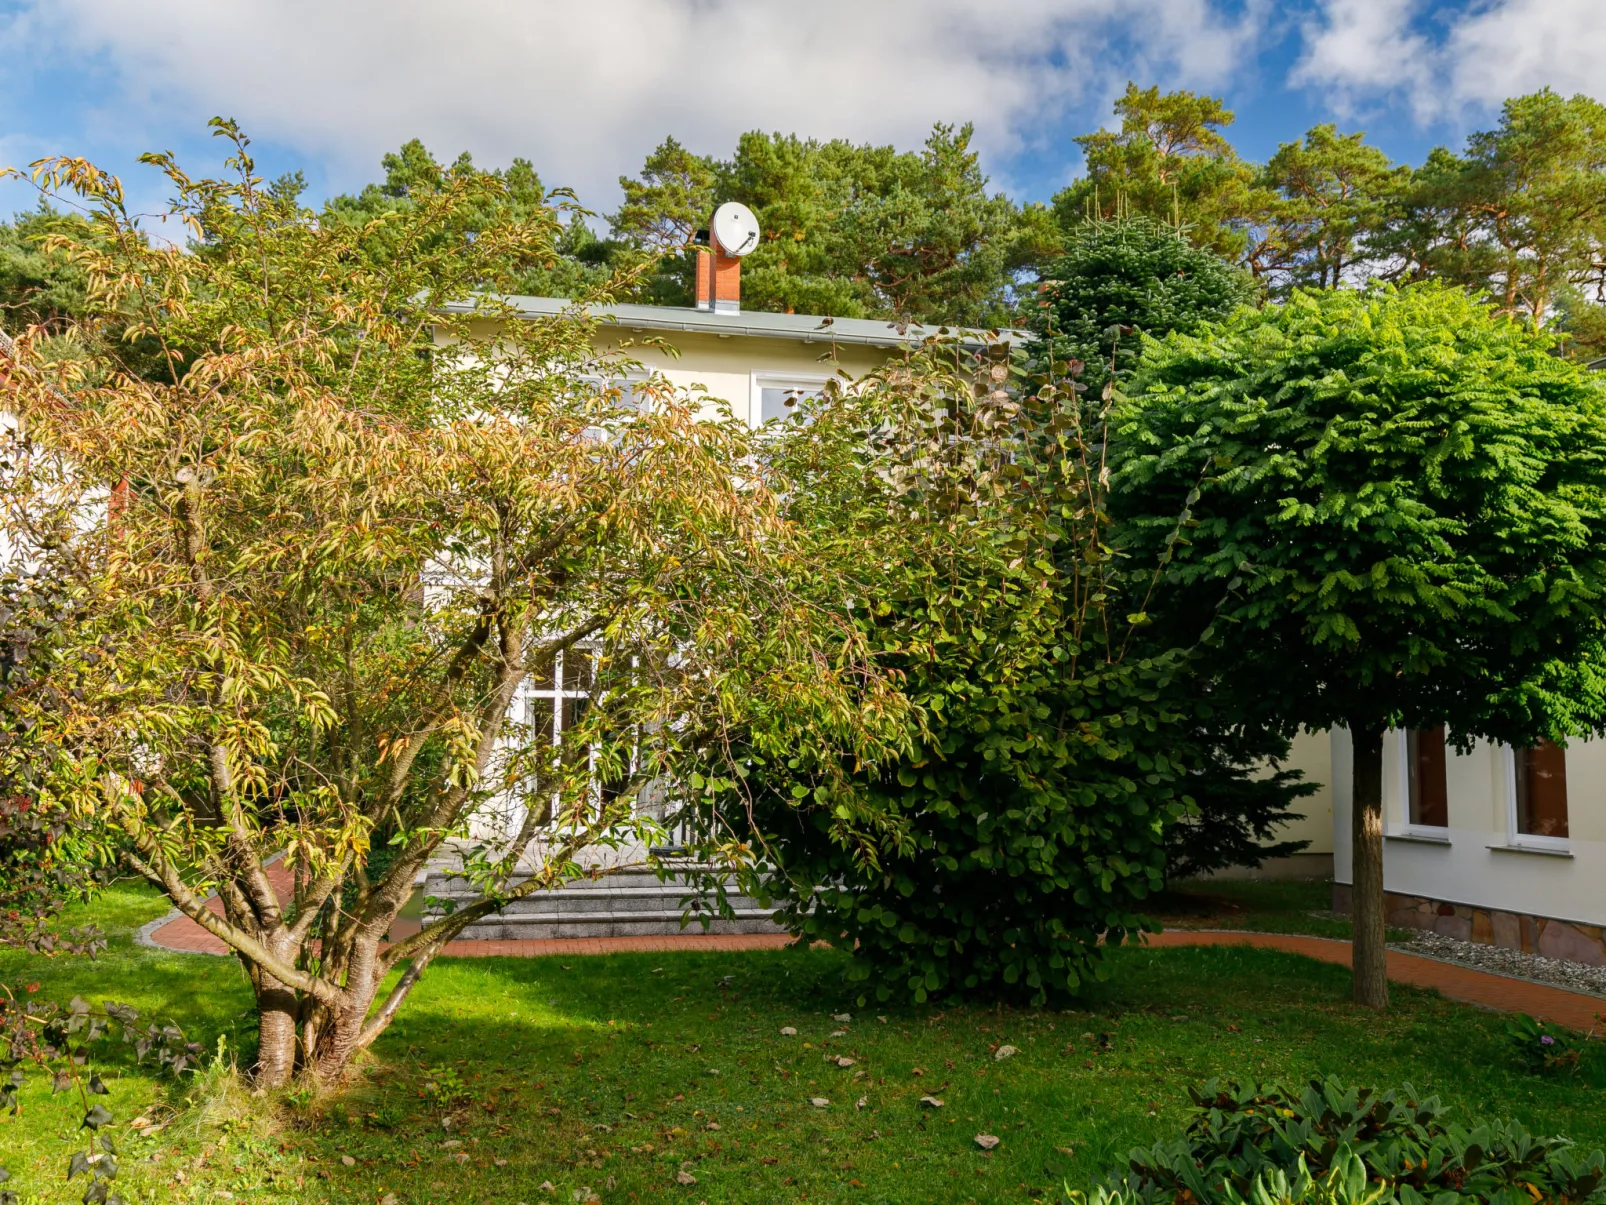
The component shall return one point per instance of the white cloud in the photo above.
(1520, 46)
(585, 90)
(1374, 51)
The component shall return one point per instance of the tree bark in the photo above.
(1369, 956)
(277, 1009)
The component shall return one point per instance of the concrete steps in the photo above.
(622, 903)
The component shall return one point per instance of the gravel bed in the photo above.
(1558, 972)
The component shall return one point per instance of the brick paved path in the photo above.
(1500, 992)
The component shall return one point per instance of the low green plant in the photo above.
(1334, 1144)
(1544, 1049)
(442, 1084)
(56, 1039)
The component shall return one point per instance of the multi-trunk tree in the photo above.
(1378, 510)
(323, 554)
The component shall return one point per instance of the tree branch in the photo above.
(162, 875)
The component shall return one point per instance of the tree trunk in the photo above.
(339, 1036)
(1369, 956)
(277, 1010)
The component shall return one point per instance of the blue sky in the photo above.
(584, 90)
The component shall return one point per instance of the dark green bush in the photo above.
(1331, 1143)
(1027, 838)
(1543, 1049)
(1026, 820)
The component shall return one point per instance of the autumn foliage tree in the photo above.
(323, 555)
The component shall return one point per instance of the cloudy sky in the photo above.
(584, 88)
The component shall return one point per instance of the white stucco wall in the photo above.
(732, 366)
(1477, 863)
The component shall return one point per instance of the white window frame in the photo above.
(1514, 839)
(557, 694)
(629, 380)
(1402, 757)
(762, 380)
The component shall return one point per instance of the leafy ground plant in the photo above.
(1332, 1142)
(1544, 1049)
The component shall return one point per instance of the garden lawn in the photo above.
(1261, 906)
(619, 1073)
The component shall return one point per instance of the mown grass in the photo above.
(613, 1073)
(1262, 906)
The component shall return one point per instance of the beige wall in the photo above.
(1312, 753)
(729, 366)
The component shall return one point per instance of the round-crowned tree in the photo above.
(1381, 509)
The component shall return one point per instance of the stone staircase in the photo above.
(621, 903)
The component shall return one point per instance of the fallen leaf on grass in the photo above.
(841, 1016)
(685, 1177)
(1005, 1052)
(819, 1102)
(788, 1031)
(987, 1142)
(862, 1102)
(348, 1161)
(845, 1062)
(931, 1102)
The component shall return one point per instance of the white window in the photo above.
(1424, 789)
(1536, 796)
(776, 395)
(553, 701)
(623, 398)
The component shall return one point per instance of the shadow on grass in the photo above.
(620, 1073)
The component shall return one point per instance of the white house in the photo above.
(1501, 846)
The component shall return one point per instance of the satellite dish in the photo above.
(735, 228)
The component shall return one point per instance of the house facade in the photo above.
(1501, 846)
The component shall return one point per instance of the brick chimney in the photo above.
(719, 280)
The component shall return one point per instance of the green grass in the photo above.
(608, 1072)
(1271, 906)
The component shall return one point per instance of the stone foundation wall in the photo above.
(1490, 927)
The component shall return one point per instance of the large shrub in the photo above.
(1027, 821)
(1117, 282)
(1331, 1143)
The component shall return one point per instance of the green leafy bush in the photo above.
(1543, 1049)
(1025, 822)
(1332, 1143)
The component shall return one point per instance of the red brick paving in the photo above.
(1573, 1009)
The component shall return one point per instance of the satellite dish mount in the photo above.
(732, 233)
